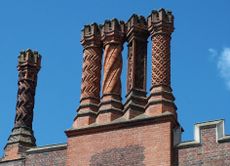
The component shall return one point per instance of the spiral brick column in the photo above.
(137, 35)
(113, 37)
(161, 100)
(22, 136)
(91, 76)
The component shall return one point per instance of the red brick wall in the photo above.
(137, 145)
(17, 162)
(47, 158)
(209, 152)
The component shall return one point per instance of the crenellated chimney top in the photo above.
(29, 58)
(91, 36)
(161, 21)
(113, 31)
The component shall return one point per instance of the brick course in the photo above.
(213, 148)
(154, 137)
(57, 158)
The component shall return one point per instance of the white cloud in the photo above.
(223, 65)
(213, 53)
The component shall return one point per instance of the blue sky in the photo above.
(200, 58)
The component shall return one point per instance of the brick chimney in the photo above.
(22, 136)
(146, 128)
(161, 99)
(137, 35)
(91, 76)
(113, 37)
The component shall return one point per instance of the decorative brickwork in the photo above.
(28, 67)
(113, 37)
(91, 75)
(161, 60)
(137, 35)
(114, 139)
(160, 26)
(22, 136)
(91, 70)
(120, 157)
(145, 132)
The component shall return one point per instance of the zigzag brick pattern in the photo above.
(91, 73)
(29, 65)
(25, 103)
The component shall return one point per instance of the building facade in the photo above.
(142, 131)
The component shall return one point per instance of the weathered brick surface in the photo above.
(210, 152)
(13, 163)
(116, 157)
(151, 146)
(49, 158)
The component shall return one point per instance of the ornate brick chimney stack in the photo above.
(137, 35)
(161, 100)
(22, 136)
(113, 37)
(91, 76)
(146, 128)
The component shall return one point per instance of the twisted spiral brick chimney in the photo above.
(113, 37)
(161, 100)
(91, 76)
(137, 35)
(22, 137)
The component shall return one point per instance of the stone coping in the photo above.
(220, 133)
(6, 161)
(122, 123)
(47, 148)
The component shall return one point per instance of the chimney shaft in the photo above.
(160, 26)
(113, 37)
(22, 136)
(137, 35)
(91, 76)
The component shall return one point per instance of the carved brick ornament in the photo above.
(137, 35)
(112, 69)
(160, 25)
(91, 73)
(28, 67)
(113, 39)
(161, 60)
(91, 70)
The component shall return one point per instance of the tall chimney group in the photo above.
(106, 42)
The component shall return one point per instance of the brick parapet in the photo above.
(44, 155)
(13, 162)
(210, 146)
(48, 155)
